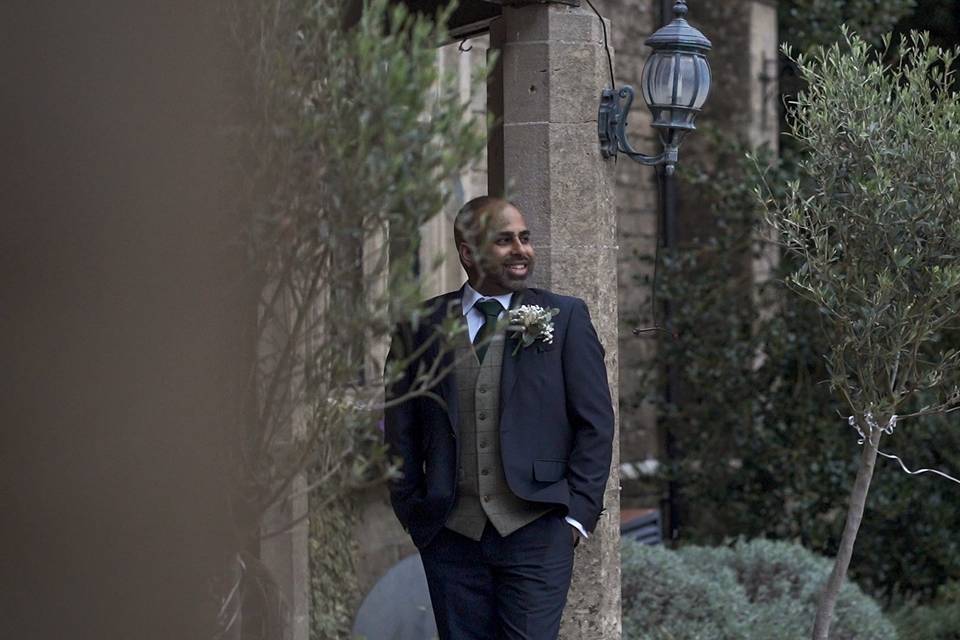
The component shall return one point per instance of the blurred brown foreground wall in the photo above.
(117, 332)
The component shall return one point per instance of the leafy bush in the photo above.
(761, 450)
(872, 225)
(666, 599)
(351, 134)
(751, 591)
(939, 620)
(808, 23)
(758, 445)
(334, 592)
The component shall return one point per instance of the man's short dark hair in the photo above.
(474, 217)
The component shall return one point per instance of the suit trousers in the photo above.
(501, 588)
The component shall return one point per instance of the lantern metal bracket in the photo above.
(611, 127)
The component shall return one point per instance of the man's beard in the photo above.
(511, 280)
(501, 275)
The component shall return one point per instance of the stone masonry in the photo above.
(544, 156)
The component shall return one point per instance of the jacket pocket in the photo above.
(549, 470)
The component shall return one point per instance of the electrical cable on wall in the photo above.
(656, 255)
(606, 45)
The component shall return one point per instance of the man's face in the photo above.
(504, 261)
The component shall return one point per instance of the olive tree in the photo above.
(873, 225)
(352, 138)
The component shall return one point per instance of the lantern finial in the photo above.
(680, 9)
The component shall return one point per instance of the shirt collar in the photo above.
(471, 297)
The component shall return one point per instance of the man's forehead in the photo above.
(490, 223)
(509, 219)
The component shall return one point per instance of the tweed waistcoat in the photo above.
(482, 490)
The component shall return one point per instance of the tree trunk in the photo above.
(858, 500)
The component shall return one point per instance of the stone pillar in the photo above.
(440, 269)
(286, 554)
(764, 127)
(544, 155)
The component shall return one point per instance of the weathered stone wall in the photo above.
(545, 156)
(732, 107)
(439, 264)
(637, 201)
(741, 105)
(764, 127)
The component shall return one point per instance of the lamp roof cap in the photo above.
(679, 33)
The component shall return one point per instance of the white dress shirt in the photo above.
(475, 320)
(474, 316)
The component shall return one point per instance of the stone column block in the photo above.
(544, 155)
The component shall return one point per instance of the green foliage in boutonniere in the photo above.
(531, 323)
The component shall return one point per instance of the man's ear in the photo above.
(466, 254)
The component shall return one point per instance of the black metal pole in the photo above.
(668, 203)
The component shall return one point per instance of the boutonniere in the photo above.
(531, 323)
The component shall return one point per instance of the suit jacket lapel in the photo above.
(513, 364)
(447, 389)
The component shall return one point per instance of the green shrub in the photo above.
(340, 179)
(666, 599)
(757, 444)
(939, 620)
(755, 590)
(761, 449)
(334, 592)
(808, 23)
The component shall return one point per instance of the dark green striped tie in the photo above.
(491, 310)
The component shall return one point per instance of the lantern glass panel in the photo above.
(686, 80)
(645, 80)
(658, 79)
(703, 77)
(687, 72)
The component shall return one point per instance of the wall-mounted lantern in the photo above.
(676, 81)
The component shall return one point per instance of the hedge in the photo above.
(755, 590)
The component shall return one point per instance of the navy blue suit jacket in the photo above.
(556, 419)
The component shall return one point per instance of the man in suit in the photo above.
(504, 461)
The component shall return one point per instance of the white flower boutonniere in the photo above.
(532, 323)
